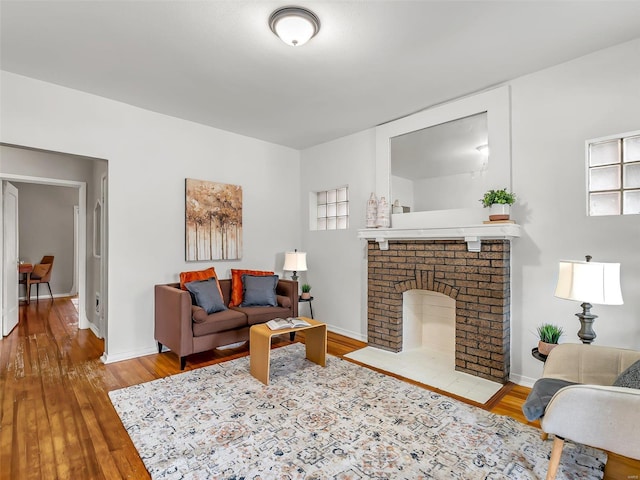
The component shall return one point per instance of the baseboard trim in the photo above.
(119, 357)
(347, 333)
(94, 328)
(45, 296)
(522, 380)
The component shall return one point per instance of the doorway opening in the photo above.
(89, 178)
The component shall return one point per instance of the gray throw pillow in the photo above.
(540, 396)
(206, 295)
(259, 291)
(630, 378)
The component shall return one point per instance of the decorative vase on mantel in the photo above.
(499, 211)
(372, 211)
(383, 221)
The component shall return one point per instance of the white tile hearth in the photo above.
(431, 367)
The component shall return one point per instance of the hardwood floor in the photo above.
(57, 421)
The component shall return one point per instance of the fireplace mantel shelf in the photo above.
(472, 234)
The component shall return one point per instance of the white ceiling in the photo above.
(218, 63)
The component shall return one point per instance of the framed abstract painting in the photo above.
(213, 221)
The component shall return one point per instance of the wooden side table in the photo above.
(260, 346)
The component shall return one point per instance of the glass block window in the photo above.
(614, 175)
(332, 209)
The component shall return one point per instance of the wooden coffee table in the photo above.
(315, 341)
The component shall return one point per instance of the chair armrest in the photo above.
(599, 416)
(289, 288)
(173, 324)
(588, 364)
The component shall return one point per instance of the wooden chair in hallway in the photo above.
(41, 274)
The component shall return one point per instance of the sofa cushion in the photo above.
(219, 322)
(283, 301)
(198, 314)
(263, 314)
(259, 291)
(207, 295)
(630, 378)
(236, 284)
(540, 396)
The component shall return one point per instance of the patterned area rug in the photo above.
(340, 422)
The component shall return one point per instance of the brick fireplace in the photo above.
(479, 282)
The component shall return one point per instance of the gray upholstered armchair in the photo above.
(593, 413)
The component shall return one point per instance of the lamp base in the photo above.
(586, 332)
(294, 277)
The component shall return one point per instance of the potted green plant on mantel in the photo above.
(306, 291)
(549, 335)
(499, 201)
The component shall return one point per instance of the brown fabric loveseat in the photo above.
(186, 329)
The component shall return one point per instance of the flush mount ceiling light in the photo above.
(295, 26)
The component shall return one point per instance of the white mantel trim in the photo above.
(472, 234)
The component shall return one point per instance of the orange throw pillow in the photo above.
(236, 284)
(186, 277)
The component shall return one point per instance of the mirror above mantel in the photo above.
(452, 155)
(433, 163)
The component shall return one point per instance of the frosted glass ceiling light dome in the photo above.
(295, 26)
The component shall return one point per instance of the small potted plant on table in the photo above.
(306, 289)
(499, 201)
(549, 335)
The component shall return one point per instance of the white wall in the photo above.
(149, 156)
(553, 113)
(336, 259)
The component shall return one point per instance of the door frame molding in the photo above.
(104, 257)
(76, 216)
(83, 321)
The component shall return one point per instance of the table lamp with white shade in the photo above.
(589, 282)
(295, 262)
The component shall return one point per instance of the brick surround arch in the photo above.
(478, 281)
